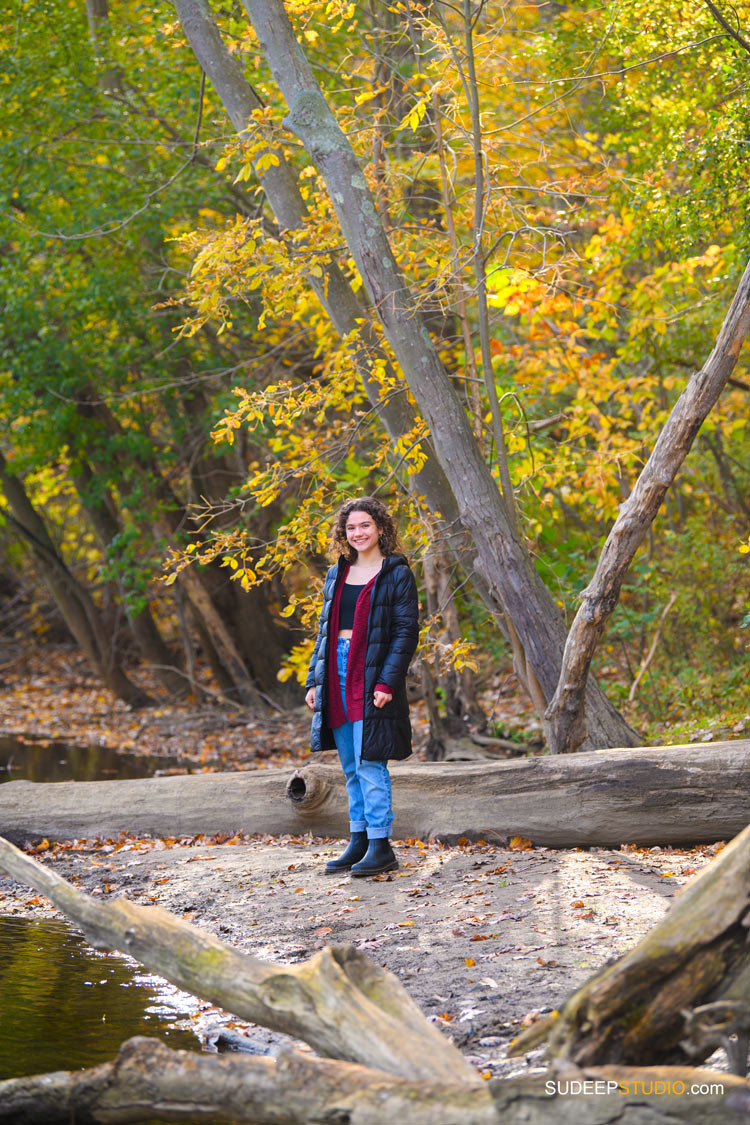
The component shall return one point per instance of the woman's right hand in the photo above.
(310, 698)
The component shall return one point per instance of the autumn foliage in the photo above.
(566, 195)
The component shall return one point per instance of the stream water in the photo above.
(65, 1006)
(25, 758)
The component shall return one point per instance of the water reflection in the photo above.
(30, 760)
(63, 1006)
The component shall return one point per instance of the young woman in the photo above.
(368, 633)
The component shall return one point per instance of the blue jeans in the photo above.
(368, 784)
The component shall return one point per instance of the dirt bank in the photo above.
(482, 937)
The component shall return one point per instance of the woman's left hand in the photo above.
(381, 698)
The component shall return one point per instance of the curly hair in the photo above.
(388, 539)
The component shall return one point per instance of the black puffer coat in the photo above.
(392, 635)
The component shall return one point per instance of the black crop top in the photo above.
(349, 595)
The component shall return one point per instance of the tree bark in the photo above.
(110, 76)
(634, 1010)
(148, 1078)
(261, 639)
(565, 713)
(456, 484)
(243, 687)
(73, 600)
(104, 519)
(197, 588)
(459, 687)
(604, 798)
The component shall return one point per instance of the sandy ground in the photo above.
(485, 939)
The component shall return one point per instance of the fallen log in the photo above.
(148, 1078)
(656, 795)
(641, 1008)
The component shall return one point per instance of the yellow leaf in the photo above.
(266, 161)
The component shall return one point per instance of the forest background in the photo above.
(564, 188)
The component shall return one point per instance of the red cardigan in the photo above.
(355, 668)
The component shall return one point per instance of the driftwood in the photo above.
(698, 956)
(147, 1077)
(660, 795)
(343, 1005)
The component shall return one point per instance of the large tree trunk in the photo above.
(457, 480)
(110, 77)
(503, 560)
(261, 639)
(698, 956)
(105, 521)
(243, 688)
(565, 713)
(195, 584)
(395, 1065)
(458, 685)
(73, 600)
(604, 798)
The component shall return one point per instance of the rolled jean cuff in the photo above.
(378, 833)
(357, 825)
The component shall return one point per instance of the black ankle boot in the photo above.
(379, 858)
(355, 850)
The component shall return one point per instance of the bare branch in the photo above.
(733, 31)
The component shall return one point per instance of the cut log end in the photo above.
(308, 791)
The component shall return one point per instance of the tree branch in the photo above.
(565, 713)
(636, 1008)
(147, 1079)
(733, 31)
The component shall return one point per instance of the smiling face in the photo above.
(362, 532)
